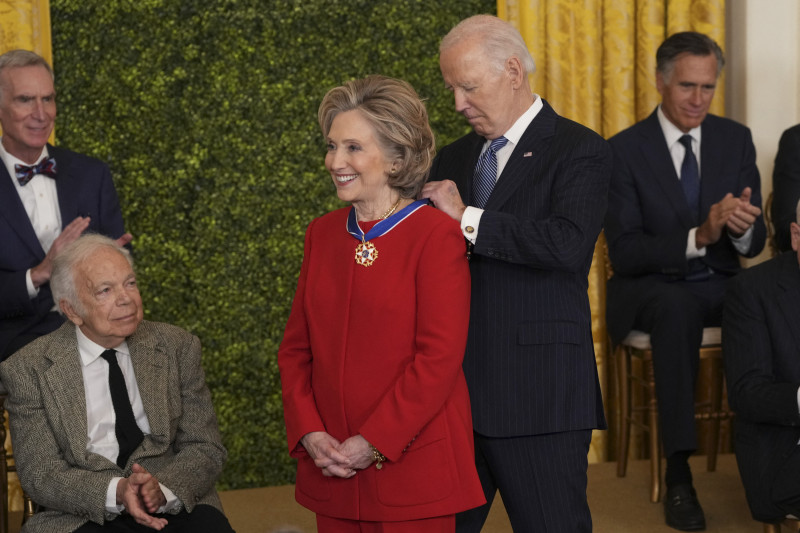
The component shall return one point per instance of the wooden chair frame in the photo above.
(711, 411)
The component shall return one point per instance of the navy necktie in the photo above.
(25, 173)
(486, 173)
(690, 178)
(129, 436)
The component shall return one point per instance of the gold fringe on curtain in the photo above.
(595, 63)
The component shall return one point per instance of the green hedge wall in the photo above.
(206, 112)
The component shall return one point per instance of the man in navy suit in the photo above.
(531, 219)
(48, 197)
(786, 186)
(677, 222)
(761, 344)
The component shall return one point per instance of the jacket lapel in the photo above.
(535, 142)
(13, 211)
(712, 150)
(656, 156)
(65, 380)
(67, 198)
(147, 355)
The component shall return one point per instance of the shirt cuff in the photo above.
(111, 497)
(173, 504)
(691, 246)
(470, 221)
(33, 292)
(742, 244)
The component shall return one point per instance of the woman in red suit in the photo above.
(375, 401)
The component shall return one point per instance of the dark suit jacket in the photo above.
(529, 362)
(761, 347)
(47, 409)
(786, 186)
(84, 189)
(648, 218)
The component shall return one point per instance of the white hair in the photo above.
(62, 278)
(499, 39)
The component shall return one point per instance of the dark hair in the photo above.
(690, 42)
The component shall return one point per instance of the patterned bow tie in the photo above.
(25, 173)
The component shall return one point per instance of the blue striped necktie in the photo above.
(486, 173)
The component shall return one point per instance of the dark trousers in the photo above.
(674, 314)
(786, 485)
(203, 519)
(541, 479)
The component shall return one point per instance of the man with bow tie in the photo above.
(48, 197)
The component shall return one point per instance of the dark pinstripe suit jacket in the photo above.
(47, 407)
(761, 345)
(529, 362)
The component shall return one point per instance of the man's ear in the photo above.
(70, 312)
(795, 232)
(515, 71)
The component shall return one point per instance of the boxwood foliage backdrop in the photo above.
(206, 112)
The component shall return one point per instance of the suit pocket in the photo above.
(550, 332)
(423, 475)
(310, 480)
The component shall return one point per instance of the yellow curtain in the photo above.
(595, 63)
(24, 24)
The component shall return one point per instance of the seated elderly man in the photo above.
(111, 420)
(761, 347)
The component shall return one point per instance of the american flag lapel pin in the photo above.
(527, 154)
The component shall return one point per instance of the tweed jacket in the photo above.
(47, 408)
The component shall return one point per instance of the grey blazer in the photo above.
(47, 410)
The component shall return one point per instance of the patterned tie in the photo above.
(25, 173)
(486, 173)
(690, 177)
(129, 436)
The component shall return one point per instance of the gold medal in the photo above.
(366, 254)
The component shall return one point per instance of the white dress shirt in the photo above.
(40, 200)
(677, 151)
(471, 219)
(100, 417)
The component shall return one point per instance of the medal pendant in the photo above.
(366, 254)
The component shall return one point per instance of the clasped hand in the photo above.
(141, 495)
(735, 214)
(338, 459)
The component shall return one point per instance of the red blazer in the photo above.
(377, 351)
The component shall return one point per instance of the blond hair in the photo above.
(398, 116)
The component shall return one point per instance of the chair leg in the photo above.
(716, 408)
(655, 445)
(623, 364)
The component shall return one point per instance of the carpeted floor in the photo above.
(619, 505)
